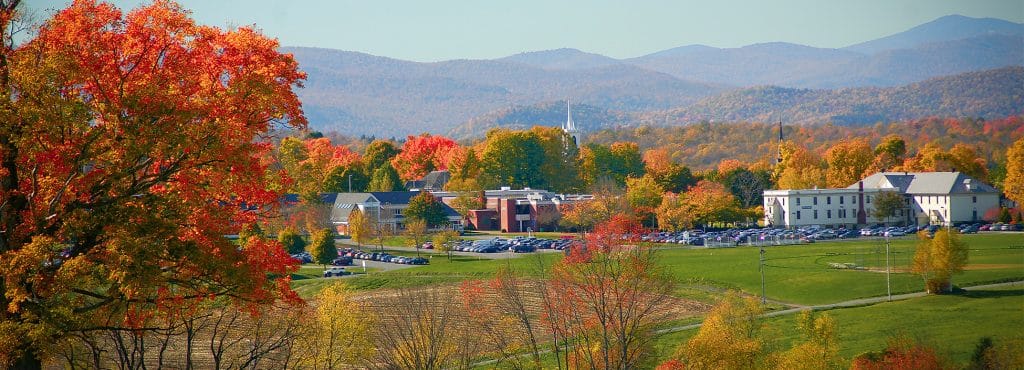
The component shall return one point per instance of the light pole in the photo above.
(761, 267)
(888, 287)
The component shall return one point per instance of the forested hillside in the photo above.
(704, 145)
(988, 94)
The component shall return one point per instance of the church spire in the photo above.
(779, 159)
(569, 127)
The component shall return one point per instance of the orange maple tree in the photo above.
(131, 145)
(422, 154)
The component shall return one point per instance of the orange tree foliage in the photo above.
(847, 162)
(611, 293)
(422, 154)
(800, 168)
(129, 149)
(900, 354)
(704, 203)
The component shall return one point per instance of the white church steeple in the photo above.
(570, 127)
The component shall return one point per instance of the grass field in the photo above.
(798, 274)
(952, 324)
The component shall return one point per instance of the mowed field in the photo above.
(795, 276)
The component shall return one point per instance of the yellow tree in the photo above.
(644, 196)
(800, 168)
(937, 259)
(416, 230)
(1013, 185)
(360, 227)
(443, 241)
(819, 348)
(672, 215)
(729, 338)
(337, 334)
(847, 162)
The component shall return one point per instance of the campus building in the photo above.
(941, 198)
(516, 210)
(385, 208)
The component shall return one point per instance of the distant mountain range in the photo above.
(357, 93)
(988, 94)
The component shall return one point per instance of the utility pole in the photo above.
(350, 183)
(761, 267)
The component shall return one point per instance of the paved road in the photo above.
(850, 303)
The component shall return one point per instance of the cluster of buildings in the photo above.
(505, 209)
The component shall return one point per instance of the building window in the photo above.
(869, 199)
(797, 215)
(828, 200)
(783, 201)
(974, 199)
(815, 214)
(828, 213)
(815, 200)
(798, 201)
(853, 199)
(841, 198)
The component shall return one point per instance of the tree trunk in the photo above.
(27, 361)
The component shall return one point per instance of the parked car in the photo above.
(336, 271)
(342, 261)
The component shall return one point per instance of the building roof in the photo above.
(344, 203)
(926, 183)
(435, 180)
(403, 197)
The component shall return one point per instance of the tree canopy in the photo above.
(131, 145)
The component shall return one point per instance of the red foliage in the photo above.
(900, 354)
(422, 154)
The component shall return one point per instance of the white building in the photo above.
(930, 198)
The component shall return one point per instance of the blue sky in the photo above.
(481, 29)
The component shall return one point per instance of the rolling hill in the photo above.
(357, 93)
(988, 94)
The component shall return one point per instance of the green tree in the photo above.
(511, 158)
(616, 163)
(747, 185)
(938, 258)
(427, 208)
(378, 153)
(343, 178)
(291, 240)
(322, 247)
(886, 204)
(560, 166)
(385, 178)
(466, 201)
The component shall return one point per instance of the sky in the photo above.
(434, 30)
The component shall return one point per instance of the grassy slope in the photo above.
(951, 324)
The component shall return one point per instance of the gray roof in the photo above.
(926, 183)
(433, 181)
(344, 203)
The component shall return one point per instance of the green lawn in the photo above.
(952, 324)
(798, 274)
(801, 273)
